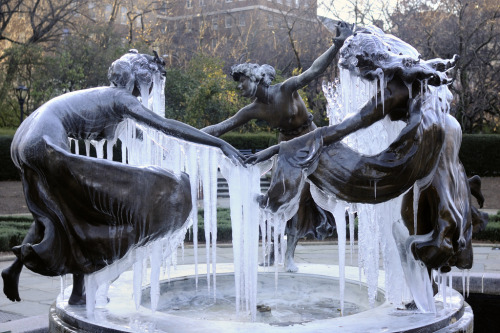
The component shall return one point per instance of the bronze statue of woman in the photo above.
(426, 149)
(89, 212)
(281, 106)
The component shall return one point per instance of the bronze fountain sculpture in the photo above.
(93, 212)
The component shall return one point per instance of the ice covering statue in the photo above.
(426, 150)
(281, 106)
(89, 212)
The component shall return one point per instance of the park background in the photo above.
(50, 47)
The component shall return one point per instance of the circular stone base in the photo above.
(303, 302)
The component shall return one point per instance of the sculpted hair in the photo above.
(264, 74)
(134, 69)
(371, 53)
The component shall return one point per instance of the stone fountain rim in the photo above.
(58, 315)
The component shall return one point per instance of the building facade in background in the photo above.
(283, 33)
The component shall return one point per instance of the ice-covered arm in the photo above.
(319, 65)
(241, 117)
(396, 98)
(180, 130)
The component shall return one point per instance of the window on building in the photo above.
(228, 21)
(123, 15)
(163, 8)
(92, 10)
(241, 20)
(189, 3)
(270, 21)
(297, 3)
(215, 24)
(107, 12)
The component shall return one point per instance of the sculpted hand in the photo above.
(344, 30)
(233, 154)
(263, 155)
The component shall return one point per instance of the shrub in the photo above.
(14, 228)
(8, 170)
(253, 141)
(12, 231)
(480, 155)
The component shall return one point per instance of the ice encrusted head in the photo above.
(135, 70)
(370, 51)
(263, 74)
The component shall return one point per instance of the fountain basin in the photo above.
(303, 302)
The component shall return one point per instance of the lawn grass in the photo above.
(7, 131)
(14, 228)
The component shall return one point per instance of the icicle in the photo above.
(416, 197)
(90, 294)
(351, 231)
(77, 147)
(339, 214)
(144, 89)
(468, 282)
(263, 232)
(463, 282)
(87, 147)
(450, 281)
(194, 182)
(444, 291)
(155, 259)
(205, 160)
(63, 285)
(213, 214)
(137, 279)
(482, 284)
(382, 88)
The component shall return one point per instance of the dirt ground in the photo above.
(12, 197)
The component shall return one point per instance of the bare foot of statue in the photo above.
(290, 265)
(78, 296)
(10, 278)
(77, 299)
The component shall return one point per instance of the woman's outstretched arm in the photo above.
(396, 97)
(135, 110)
(319, 65)
(241, 117)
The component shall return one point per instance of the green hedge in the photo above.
(8, 170)
(480, 154)
(13, 229)
(253, 141)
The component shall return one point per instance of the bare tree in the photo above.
(471, 30)
(27, 23)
